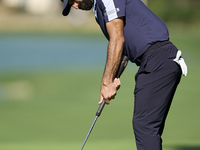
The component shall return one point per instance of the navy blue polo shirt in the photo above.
(142, 28)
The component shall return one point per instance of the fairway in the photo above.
(54, 109)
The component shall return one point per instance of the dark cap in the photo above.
(66, 8)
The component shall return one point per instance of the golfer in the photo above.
(133, 30)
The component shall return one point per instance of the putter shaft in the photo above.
(89, 132)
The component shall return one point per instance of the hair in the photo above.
(85, 5)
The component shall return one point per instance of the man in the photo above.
(133, 30)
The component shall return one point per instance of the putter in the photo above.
(98, 113)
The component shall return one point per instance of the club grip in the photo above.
(118, 74)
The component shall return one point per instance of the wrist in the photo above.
(106, 81)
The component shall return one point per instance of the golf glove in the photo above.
(179, 60)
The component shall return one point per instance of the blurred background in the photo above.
(50, 74)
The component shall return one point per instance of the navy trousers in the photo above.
(156, 83)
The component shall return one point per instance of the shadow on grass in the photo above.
(185, 147)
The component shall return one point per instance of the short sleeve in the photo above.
(113, 9)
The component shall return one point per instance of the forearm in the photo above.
(115, 49)
(114, 55)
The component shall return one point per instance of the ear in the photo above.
(75, 5)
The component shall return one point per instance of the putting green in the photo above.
(54, 110)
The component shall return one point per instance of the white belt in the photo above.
(179, 60)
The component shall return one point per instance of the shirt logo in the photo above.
(111, 12)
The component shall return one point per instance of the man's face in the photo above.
(81, 4)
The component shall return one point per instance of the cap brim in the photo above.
(66, 8)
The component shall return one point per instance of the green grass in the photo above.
(56, 110)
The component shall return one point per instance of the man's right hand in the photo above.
(109, 91)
